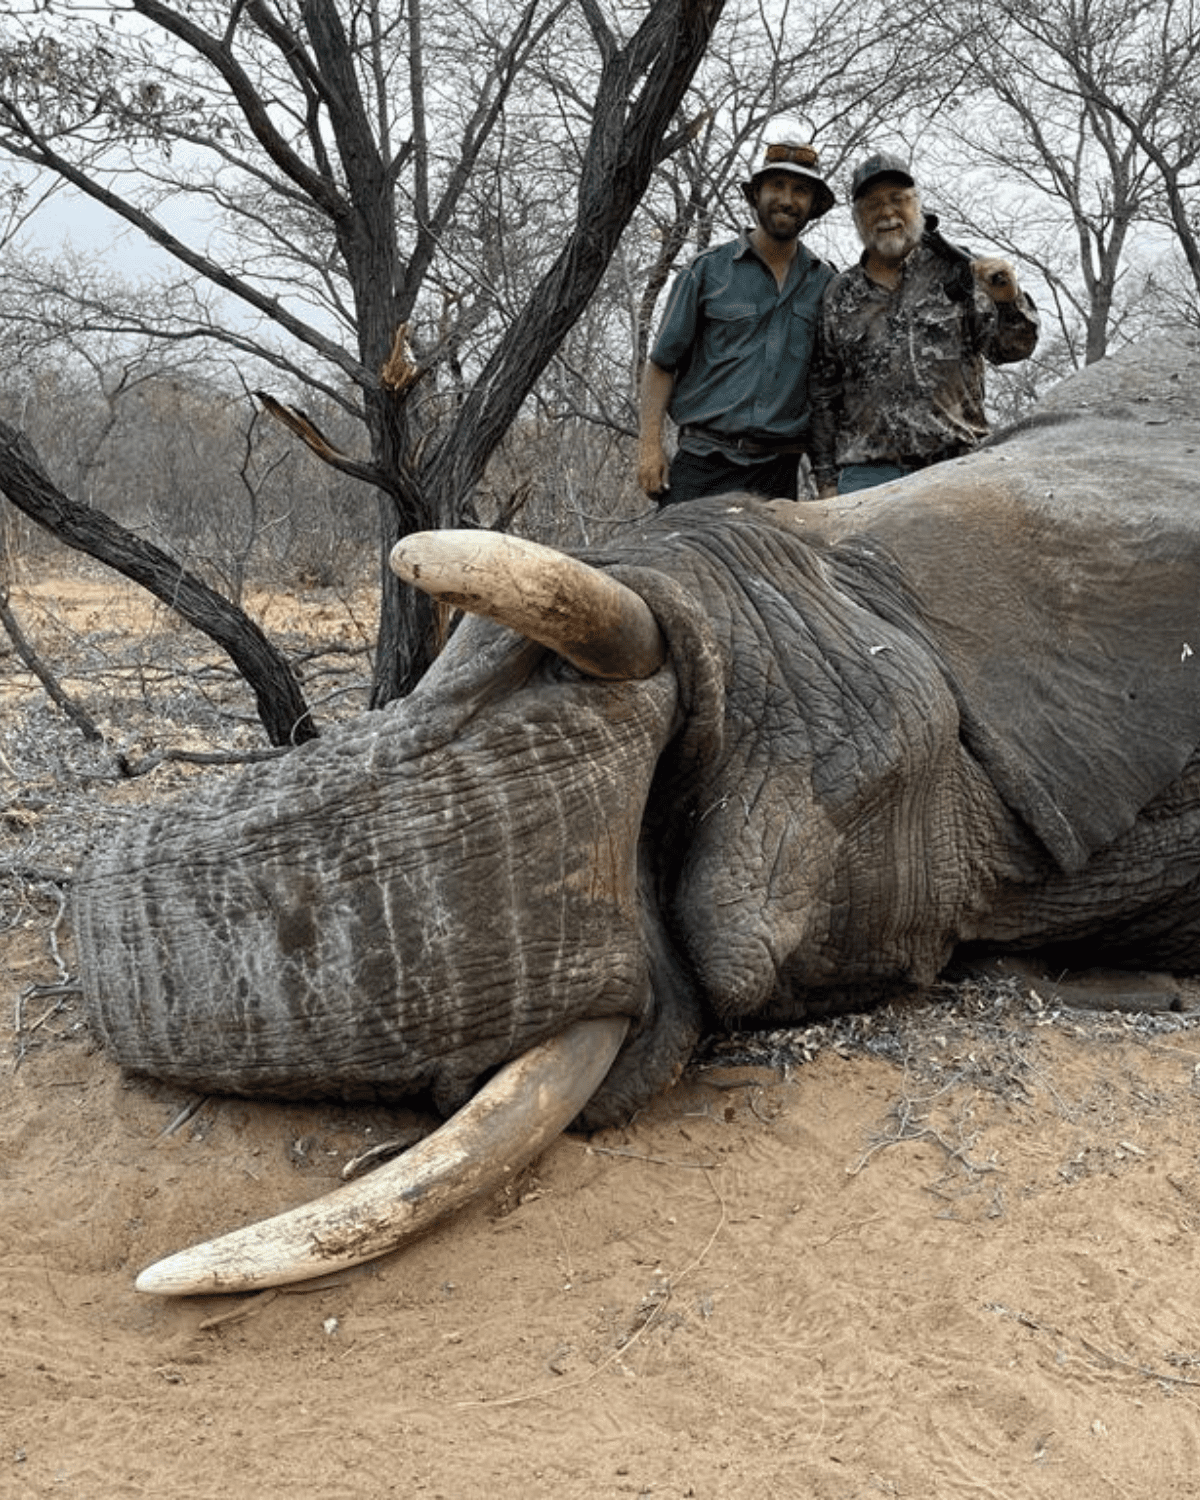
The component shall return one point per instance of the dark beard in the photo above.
(799, 220)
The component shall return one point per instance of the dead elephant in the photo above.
(756, 759)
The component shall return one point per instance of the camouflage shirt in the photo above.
(899, 374)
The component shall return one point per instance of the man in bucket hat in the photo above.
(899, 382)
(730, 364)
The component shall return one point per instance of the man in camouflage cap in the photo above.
(899, 381)
(730, 364)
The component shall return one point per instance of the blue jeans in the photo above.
(866, 476)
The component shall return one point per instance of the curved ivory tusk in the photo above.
(590, 618)
(503, 1127)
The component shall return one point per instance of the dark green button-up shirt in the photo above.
(739, 346)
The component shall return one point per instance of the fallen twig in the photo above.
(1093, 1351)
(659, 1161)
(21, 1033)
(54, 690)
(366, 1160)
(914, 1127)
(134, 769)
(246, 1309)
(14, 869)
(193, 1107)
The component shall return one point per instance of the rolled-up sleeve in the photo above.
(680, 323)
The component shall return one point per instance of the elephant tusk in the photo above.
(497, 1132)
(596, 622)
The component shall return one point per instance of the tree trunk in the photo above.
(642, 86)
(408, 638)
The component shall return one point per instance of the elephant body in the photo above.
(962, 709)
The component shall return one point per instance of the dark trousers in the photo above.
(694, 475)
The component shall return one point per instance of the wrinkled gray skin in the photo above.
(963, 709)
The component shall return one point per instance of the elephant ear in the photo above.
(1057, 578)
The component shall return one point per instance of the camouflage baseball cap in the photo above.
(882, 164)
(801, 161)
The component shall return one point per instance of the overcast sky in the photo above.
(71, 219)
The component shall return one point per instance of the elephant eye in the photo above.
(559, 669)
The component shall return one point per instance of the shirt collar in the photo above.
(804, 256)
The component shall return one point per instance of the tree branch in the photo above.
(38, 151)
(216, 51)
(281, 706)
(78, 716)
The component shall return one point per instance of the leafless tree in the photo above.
(1087, 106)
(351, 157)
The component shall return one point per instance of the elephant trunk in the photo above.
(384, 916)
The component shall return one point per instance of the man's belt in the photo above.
(748, 446)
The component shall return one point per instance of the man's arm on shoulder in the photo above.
(824, 399)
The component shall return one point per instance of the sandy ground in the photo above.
(953, 1253)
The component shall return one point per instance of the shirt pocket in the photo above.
(938, 335)
(734, 327)
(802, 332)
